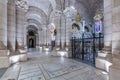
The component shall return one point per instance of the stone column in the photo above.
(3, 24)
(42, 38)
(20, 24)
(25, 34)
(11, 25)
(108, 22)
(63, 31)
(39, 34)
(116, 26)
(37, 40)
(57, 26)
(68, 31)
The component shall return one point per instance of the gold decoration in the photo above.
(78, 19)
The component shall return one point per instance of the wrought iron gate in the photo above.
(85, 49)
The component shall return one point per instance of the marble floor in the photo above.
(43, 66)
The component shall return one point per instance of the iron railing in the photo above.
(85, 49)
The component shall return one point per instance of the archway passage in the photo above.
(31, 43)
(31, 39)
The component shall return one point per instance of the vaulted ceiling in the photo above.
(40, 10)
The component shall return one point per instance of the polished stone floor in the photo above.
(43, 66)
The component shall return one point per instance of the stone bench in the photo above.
(104, 59)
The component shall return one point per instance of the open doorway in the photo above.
(31, 39)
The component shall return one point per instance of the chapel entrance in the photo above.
(31, 39)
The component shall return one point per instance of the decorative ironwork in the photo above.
(85, 49)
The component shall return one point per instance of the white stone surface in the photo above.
(11, 25)
(4, 59)
(42, 66)
(114, 72)
(104, 59)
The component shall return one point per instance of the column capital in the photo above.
(23, 4)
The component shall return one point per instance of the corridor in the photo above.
(43, 66)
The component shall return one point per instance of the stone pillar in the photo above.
(37, 40)
(48, 37)
(25, 34)
(116, 26)
(3, 24)
(63, 30)
(68, 31)
(11, 25)
(42, 37)
(57, 26)
(108, 22)
(20, 24)
(39, 34)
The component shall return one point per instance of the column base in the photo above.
(4, 58)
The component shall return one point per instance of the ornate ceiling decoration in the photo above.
(92, 6)
(22, 4)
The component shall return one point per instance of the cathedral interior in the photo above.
(59, 39)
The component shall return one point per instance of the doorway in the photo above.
(31, 39)
(31, 43)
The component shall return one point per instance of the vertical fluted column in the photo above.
(62, 30)
(108, 22)
(57, 26)
(44, 35)
(37, 40)
(25, 33)
(68, 31)
(20, 24)
(39, 34)
(11, 7)
(115, 26)
(3, 24)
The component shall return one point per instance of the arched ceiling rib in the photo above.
(33, 9)
(35, 17)
(34, 22)
(42, 4)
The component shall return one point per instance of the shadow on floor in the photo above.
(2, 71)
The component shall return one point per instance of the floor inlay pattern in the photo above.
(42, 66)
